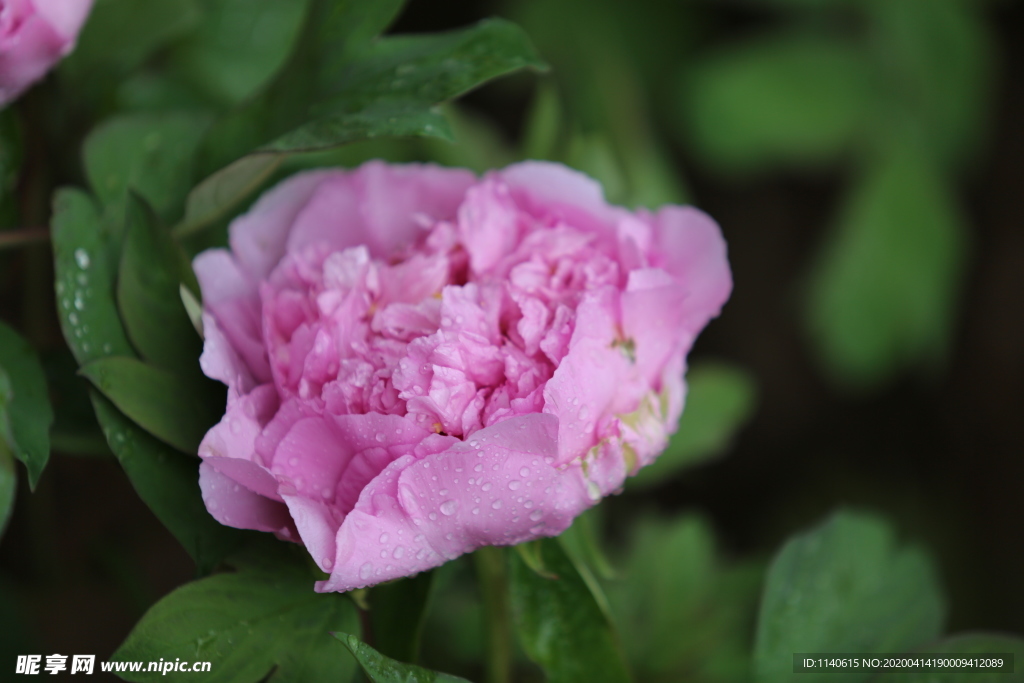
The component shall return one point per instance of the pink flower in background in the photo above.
(35, 35)
(421, 362)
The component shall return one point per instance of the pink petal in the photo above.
(233, 505)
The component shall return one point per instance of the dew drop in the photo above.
(479, 467)
(366, 571)
(380, 438)
(328, 563)
(536, 515)
(486, 487)
(82, 258)
(383, 538)
(449, 507)
(514, 484)
(496, 504)
(524, 472)
(432, 516)
(476, 511)
(383, 553)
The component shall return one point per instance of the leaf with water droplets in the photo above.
(381, 88)
(25, 412)
(85, 255)
(381, 669)
(260, 623)
(172, 408)
(151, 154)
(149, 296)
(168, 482)
(561, 625)
(845, 586)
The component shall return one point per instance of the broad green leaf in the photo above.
(239, 45)
(85, 257)
(387, 88)
(544, 123)
(959, 646)
(8, 476)
(168, 482)
(256, 624)
(397, 611)
(789, 99)
(561, 626)
(883, 291)
(149, 293)
(176, 410)
(25, 412)
(149, 153)
(720, 398)
(936, 62)
(120, 34)
(582, 542)
(845, 586)
(683, 614)
(381, 669)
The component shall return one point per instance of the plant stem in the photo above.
(492, 574)
(22, 236)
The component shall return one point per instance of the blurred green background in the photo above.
(865, 160)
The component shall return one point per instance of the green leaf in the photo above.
(85, 256)
(177, 411)
(239, 46)
(683, 613)
(381, 669)
(149, 153)
(25, 412)
(397, 611)
(256, 624)
(149, 293)
(960, 645)
(845, 586)
(561, 626)
(388, 88)
(719, 400)
(168, 482)
(786, 99)
(121, 34)
(883, 291)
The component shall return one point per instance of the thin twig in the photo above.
(23, 236)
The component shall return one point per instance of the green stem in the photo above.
(492, 573)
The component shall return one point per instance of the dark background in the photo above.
(939, 453)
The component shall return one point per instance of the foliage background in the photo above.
(933, 440)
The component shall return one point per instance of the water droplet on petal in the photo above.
(514, 484)
(366, 571)
(524, 472)
(328, 563)
(383, 538)
(449, 507)
(536, 515)
(496, 504)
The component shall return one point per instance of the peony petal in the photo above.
(233, 505)
(65, 16)
(420, 513)
(378, 205)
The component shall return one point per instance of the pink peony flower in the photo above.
(35, 35)
(421, 363)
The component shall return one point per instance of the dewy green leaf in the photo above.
(149, 293)
(381, 669)
(883, 291)
(720, 398)
(238, 46)
(790, 99)
(85, 257)
(168, 482)
(962, 646)
(388, 88)
(844, 586)
(683, 614)
(25, 412)
(149, 153)
(175, 410)
(251, 625)
(397, 611)
(561, 626)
